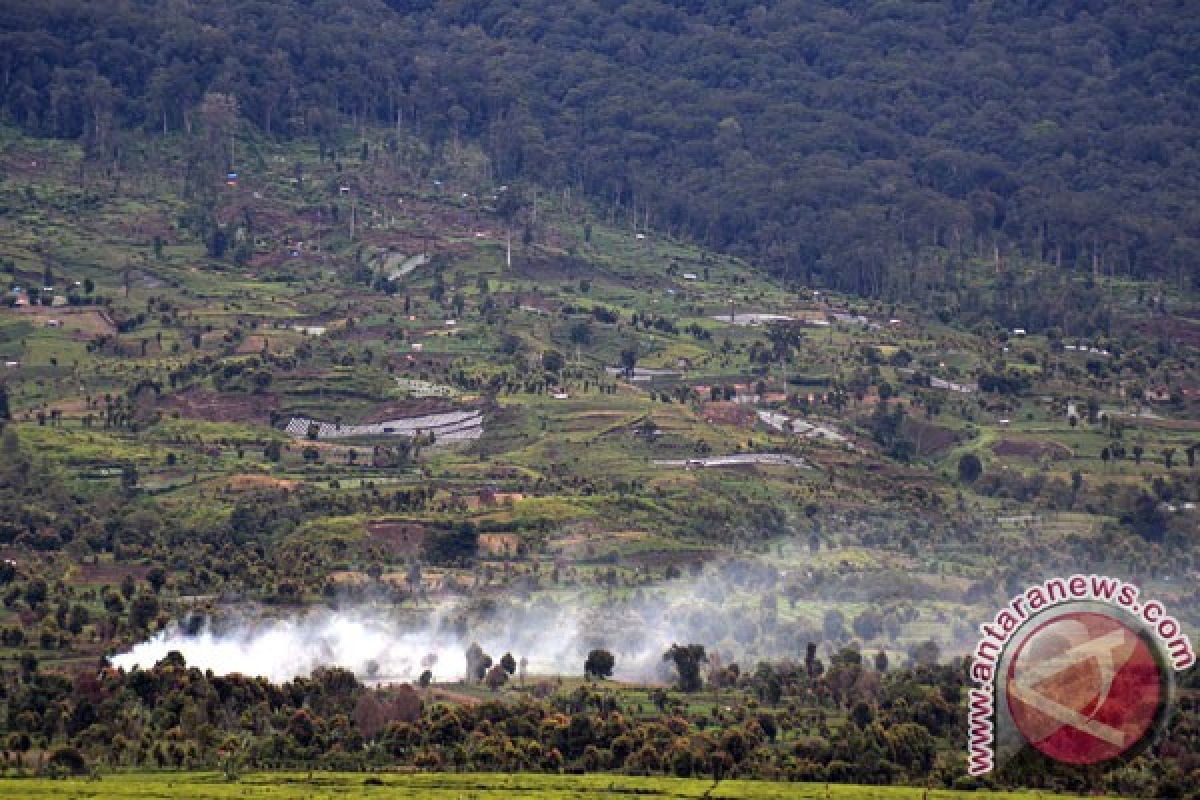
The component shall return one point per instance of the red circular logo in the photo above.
(1084, 687)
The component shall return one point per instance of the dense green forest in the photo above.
(845, 144)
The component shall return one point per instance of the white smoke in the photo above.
(366, 642)
(380, 646)
(735, 609)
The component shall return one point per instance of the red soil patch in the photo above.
(499, 544)
(734, 414)
(1034, 451)
(348, 578)
(222, 406)
(249, 482)
(110, 573)
(254, 344)
(397, 537)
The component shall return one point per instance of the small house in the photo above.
(53, 323)
(1018, 331)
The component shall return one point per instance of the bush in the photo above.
(969, 468)
(67, 759)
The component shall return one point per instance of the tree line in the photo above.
(849, 720)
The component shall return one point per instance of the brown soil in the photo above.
(249, 482)
(397, 537)
(1034, 451)
(499, 544)
(253, 344)
(415, 407)
(933, 439)
(734, 414)
(86, 321)
(111, 574)
(349, 578)
(222, 406)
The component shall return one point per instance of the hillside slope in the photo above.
(832, 141)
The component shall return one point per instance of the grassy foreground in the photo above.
(486, 786)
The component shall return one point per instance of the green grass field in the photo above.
(456, 786)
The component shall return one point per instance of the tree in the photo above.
(509, 663)
(629, 359)
(599, 664)
(157, 578)
(1147, 518)
(969, 468)
(496, 677)
(477, 662)
(5, 412)
(453, 547)
(581, 333)
(861, 715)
(687, 660)
(67, 759)
(868, 624)
(553, 361)
(925, 654)
(142, 610)
(35, 593)
(129, 478)
(810, 659)
(78, 618)
(1168, 454)
(833, 625)
(912, 745)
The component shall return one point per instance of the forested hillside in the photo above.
(833, 142)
